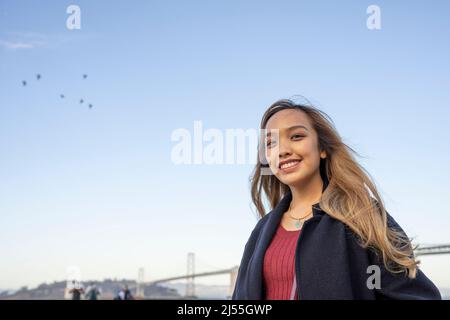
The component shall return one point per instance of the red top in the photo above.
(279, 264)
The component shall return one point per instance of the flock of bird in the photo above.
(62, 96)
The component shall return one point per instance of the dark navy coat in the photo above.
(329, 263)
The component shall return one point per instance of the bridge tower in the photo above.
(190, 285)
(140, 283)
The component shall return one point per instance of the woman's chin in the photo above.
(291, 179)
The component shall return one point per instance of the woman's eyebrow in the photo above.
(297, 127)
(268, 134)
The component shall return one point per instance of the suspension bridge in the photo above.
(191, 275)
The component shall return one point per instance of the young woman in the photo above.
(328, 235)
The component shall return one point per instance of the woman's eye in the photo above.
(297, 136)
(271, 143)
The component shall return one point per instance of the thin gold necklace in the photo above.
(299, 221)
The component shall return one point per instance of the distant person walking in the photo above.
(92, 292)
(124, 294)
(76, 291)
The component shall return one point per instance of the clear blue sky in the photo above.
(96, 187)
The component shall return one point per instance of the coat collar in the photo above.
(255, 271)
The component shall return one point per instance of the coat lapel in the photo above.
(255, 270)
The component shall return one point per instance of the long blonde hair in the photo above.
(347, 196)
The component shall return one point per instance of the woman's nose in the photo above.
(284, 154)
(284, 150)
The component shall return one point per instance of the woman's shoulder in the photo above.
(259, 225)
(262, 221)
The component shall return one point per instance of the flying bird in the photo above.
(84, 76)
(24, 83)
(38, 76)
(81, 100)
(62, 96)
(90, 105)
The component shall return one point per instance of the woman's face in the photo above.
(292, 147)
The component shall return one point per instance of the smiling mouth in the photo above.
(290, 164)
